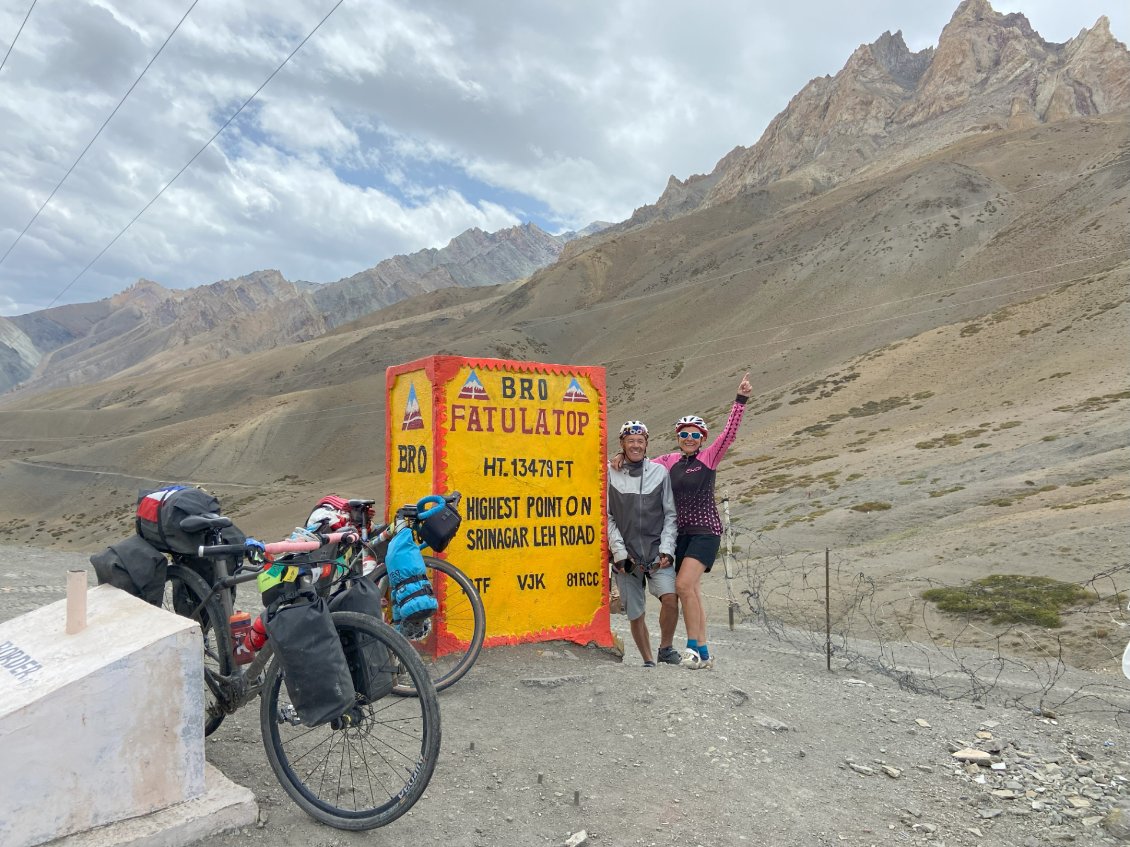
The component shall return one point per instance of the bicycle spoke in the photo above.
(385, 757)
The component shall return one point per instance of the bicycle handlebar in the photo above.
(207, 551)
(309, 546)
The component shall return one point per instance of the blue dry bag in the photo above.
(411, 593)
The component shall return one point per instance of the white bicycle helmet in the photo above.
(633, 428)
(691, 420)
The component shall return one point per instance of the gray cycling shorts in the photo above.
(659, 582)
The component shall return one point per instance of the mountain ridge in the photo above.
(147, 326)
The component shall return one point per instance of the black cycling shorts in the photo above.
(701, 547)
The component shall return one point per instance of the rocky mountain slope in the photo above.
(946, 336)
(148, 327)
(887, 105)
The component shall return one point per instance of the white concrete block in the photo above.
(223, 806)
(100, 726)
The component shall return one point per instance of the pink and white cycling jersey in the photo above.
(692, 478)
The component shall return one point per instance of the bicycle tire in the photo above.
(392, 740)
(184, 590)
(463, 609)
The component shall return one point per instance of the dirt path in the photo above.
(543, 741)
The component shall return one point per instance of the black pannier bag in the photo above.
(438, 529)
(160, 512)
(314, 668)
(135, 566)
(370, 663)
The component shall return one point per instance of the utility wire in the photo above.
(95, 138)
(17, 38)
(207, 144)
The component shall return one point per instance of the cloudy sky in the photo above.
(396, 127)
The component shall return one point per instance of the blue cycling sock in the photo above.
(704, 652)
(692, 643)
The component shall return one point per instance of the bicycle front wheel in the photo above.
(370, 771)
(184, 591)
(450, 641)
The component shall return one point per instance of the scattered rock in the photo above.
(552, 681)
(766, 722)
(1117, 822)
(577, 839)
(978, 757)
(861, 769)
(893, 773)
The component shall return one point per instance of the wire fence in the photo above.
(824, 602)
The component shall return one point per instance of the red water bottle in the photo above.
(240, 629)
(257, 637)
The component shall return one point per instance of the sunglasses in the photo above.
(634, 430)
(695, 435)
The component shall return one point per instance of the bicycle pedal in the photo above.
(287, 714)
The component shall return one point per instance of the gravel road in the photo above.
(541, 742)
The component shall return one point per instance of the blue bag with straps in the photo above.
(412, 597)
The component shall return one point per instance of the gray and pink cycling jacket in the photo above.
(692, 478)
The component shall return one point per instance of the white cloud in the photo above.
(395, 128)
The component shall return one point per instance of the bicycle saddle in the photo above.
(199, 523)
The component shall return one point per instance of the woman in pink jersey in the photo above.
(692, 468)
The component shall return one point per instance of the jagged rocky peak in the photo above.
(989, 72)
(892, 54)
(144, 294)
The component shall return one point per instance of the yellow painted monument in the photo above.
(525, 443)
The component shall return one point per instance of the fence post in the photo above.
(727, 558)
(76, 601)
(827, 607)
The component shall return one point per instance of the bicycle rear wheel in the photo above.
(372, 771)
(463, 623)
(184, 590)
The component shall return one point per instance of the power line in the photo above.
(17, 38)
(95, 138)
(195, 156)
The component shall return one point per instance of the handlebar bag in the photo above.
(438, 529)
(135, 566)
(409, 588)
(313, 662)
(372, 667)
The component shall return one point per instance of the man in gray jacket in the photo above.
(641, 541)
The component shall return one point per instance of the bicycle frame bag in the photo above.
(411, 593)
(314, 668)
(160, 512)
(372, 667)
(135, 566)
(437, 530)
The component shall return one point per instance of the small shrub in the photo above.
(942, 492)
(871, 506)
(1009, 598)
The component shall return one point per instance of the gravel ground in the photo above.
(767, 748)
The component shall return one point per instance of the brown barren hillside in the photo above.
(981, 290)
